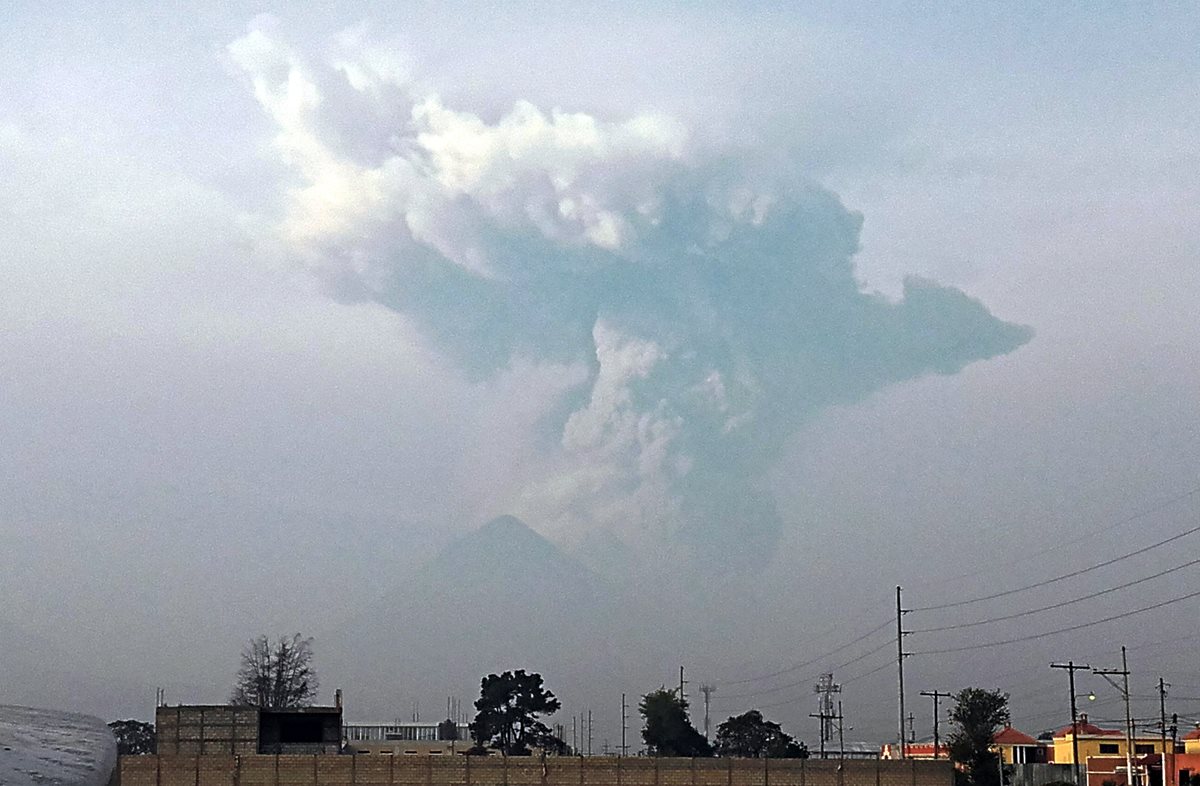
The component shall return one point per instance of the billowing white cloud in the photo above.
(444, 177)
(715, 300)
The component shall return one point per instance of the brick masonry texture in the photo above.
(334, 770)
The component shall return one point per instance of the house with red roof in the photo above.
(1017, 747)
(1014, 747)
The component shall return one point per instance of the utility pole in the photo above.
(822, 718)
(900, 654)
(574, 735)
(1072, 667)
(708, 691)
(936, 695)
(624, 723)
(912, 735)
(841, 738)
(589, 728)
(1162, 713)
(1123, 672)
(682, 683)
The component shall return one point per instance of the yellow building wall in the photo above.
(1090, 746)
(1191, 746)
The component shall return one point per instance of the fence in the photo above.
(376, 770)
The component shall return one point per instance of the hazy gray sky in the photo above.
(291, 297)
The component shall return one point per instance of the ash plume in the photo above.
(712, 300)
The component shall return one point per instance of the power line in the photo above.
(1062, 577)
(1089, 535)
(886, 664)
(1158, 643)
(1081, 626)
(803, 680)
(1057, 605)
(808, 662)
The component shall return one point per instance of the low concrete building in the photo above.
(208, 729)
(407, 738)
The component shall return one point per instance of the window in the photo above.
(1109, 748)
(1143, 749)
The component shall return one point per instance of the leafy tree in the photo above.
(977, 715)
(508, 708)
(134, 737)
(276, 675)
(667, 730)
(751, 736)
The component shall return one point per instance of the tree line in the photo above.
(279, 674)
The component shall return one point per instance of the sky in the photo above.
(762, 311)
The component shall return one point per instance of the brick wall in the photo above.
(209, 729)
(366, 770)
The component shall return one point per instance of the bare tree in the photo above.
(278, 675)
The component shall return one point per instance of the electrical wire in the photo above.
(808, 662)
(795, 699)
(1089, 535)
(876, 670)
(1081, 626)
(1062, 577)
(1059, 605)
(803, 680)
(1158, 643)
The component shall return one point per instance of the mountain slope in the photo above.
(501, 597)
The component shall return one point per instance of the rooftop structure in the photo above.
(200, 729)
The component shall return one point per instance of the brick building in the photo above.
(212, 729)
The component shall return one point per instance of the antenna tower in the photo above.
(708, 691)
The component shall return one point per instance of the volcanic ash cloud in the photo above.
(714, 301)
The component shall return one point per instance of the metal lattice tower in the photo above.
(708, 691)
(826, 706)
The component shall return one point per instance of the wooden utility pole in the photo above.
(900, 667)
(1162, 713)
(824, 720)
(936, 695)
(1123, 672)
(1071, 667)
(841, 737)
(624, 724)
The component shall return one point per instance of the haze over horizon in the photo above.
(720, 320)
